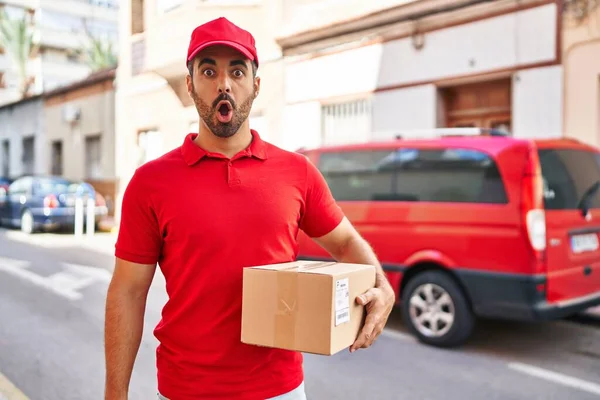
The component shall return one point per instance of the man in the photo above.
(222, 201)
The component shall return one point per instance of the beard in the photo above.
(208, 114)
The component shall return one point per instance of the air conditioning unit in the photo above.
(71, 113)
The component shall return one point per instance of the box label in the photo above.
(342, 301)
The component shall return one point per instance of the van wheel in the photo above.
(436, 310)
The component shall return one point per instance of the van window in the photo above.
(567, 175)
(444, 175)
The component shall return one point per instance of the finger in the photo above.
(372, 337)
(367, 297)
(366, 334)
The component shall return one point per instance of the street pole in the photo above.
(91, 220)
(78, 217)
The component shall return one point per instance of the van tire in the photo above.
(459, 330)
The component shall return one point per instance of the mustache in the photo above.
(223, 97)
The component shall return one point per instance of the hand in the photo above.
(379, 302)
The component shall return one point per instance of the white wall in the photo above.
(537, 103)
(348, 72)
(509, 40)
(409, 108)
(505, 41)
(18, 122)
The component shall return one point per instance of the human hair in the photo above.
(190, 66)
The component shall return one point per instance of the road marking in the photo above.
(8, 391)
(392, 334)
(65, 283)
(556, 377)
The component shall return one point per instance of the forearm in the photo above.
(358, 251)
(123, 335)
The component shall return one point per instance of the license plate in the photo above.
(583, 243)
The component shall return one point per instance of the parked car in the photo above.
(35, 203)
(473, 223)
(4, 183)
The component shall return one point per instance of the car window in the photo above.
(21, 186)
(444, 175)
(567, 175)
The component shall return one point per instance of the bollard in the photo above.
(91, 220)
(78, 217)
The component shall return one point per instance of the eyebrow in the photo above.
(207, 61)
(238, 62)
(213, 62)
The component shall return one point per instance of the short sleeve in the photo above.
(321, 212)
(139, 239)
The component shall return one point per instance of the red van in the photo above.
(469, 222)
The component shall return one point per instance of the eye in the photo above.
(238, 73)
(208, 72)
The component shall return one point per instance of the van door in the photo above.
(572, 206)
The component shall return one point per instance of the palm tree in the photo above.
(99, 54)
(18, 37)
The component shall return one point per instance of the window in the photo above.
(60, 21)
(21, 186)
(56, 158)
(137, 16)
(444, 175)
(150, 146)
(6, 158)
(567, 175)
(28, 155)
(93, 157)
(348, 122)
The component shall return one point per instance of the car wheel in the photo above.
(436, 310)
(27, 224)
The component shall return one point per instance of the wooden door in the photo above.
(482, 105)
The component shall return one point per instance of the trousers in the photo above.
(296, 394)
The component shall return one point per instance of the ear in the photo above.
(189, 84)
(256, 86)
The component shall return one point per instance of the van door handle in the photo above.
(587, 270)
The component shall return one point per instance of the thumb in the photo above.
(366, 297)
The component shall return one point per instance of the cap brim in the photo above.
(233, 45)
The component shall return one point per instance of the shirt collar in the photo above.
(192, 153)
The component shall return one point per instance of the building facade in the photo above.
(68, 132)
(421, 65)
(22, 140)
(154, 110)
(63, 29)
(79, 121)
(581, 65)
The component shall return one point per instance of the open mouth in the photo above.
(224, 111)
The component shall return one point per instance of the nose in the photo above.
(224, 84)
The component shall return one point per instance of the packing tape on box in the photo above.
(287, 302)
(287, 307)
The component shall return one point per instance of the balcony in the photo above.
(167, 35)
(61, 39)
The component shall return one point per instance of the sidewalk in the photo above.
(8, 391)
(103, 242)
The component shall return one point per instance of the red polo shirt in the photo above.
(203, 218)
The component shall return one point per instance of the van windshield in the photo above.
(568, 174)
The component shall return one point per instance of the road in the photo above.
(51, 342)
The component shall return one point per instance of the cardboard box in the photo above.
(307, 306)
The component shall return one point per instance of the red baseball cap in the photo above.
(221, 31)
